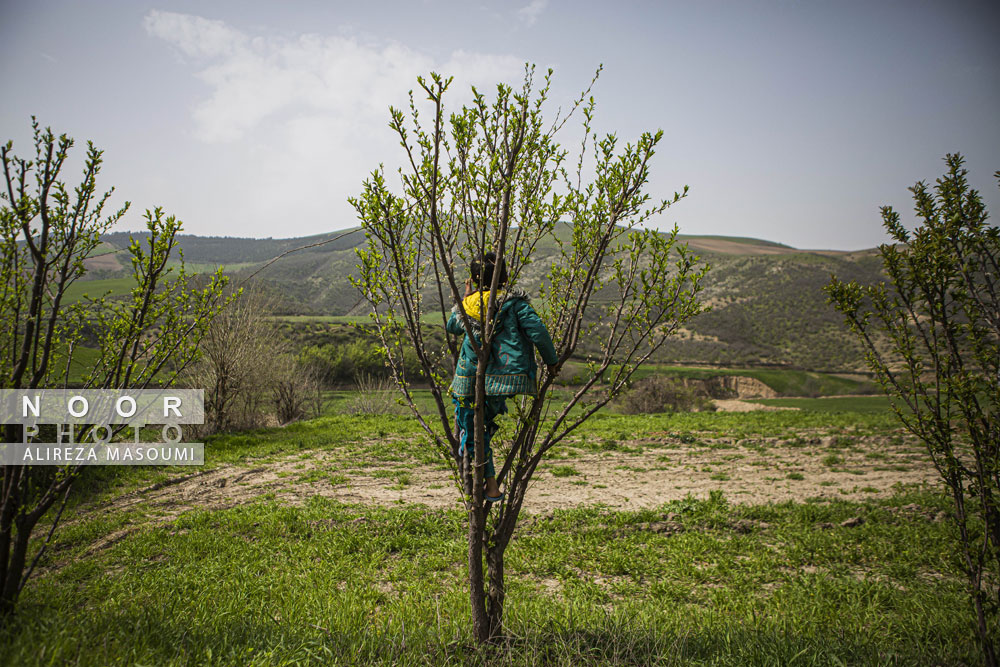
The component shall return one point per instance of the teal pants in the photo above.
(465, 417)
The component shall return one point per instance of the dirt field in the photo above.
(640, 474)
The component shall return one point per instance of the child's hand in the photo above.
(469, 290)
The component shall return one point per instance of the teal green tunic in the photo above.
(511, 369)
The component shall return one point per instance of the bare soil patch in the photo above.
(727, 247)
(642, 473)
(736, 405)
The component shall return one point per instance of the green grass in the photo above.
(326, 319)
(606, 429)
(209, 267)
(863, 404)
(787, 382)
(324, 582)
(687, 425)
(95, 288)
(84, 361)
(328, 583)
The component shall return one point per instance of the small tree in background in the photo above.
(144, 339)
(248, 370)
(294, 389)
(659, 393)
(492, 177)
(235, 362)
(932, 337)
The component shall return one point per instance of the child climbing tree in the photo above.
(492, 178)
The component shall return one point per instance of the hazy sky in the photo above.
(790, 120)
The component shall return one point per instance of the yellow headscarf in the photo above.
(475, 303)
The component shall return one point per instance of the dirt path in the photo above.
(736, 405)
(640, 474)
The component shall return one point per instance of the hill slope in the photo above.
(768, 307)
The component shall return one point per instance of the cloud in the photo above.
(530, 12)
(253, 79)
(194, 35)
(305, 115)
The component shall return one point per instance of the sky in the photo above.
(789, 120)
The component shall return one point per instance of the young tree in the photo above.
(932, 337)
(492, 177)
(46, 234)
(247, 368)
(235, 362)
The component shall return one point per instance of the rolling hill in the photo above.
(768, 308)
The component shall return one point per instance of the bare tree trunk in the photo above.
(6, 521)
(15, 569)
(974, 571)
(6, 529)
(477, 596)
(477, 513)
(14, 545)
(989, 653)
(8, 508)
(486, 593)
(494, 571)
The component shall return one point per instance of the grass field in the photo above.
(209, 267)
(96, 288)
(338, 401)
(121, 286)
(84, 360)
(314, 545)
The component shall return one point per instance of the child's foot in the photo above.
(492, 490)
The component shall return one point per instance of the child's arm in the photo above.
(454, 324)
(534, 328)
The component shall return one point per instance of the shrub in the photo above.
(931, 334)
(374, 396)
(658, 393)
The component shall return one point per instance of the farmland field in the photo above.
(769, 537)
(110, 287)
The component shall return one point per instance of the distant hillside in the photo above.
(105, 262)
(228, 250)
(768, 307)
(734, 245)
